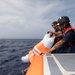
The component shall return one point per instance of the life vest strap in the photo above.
(37, 51)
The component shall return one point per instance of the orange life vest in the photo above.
(42, 47)
(38, 50)
(30, 55)
(68, 29)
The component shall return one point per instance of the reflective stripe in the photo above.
(37, 50)
(36, 53)
(31, 55)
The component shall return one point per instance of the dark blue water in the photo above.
(11, 51)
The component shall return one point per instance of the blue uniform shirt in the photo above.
(70, 37)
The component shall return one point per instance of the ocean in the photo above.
(11, 51)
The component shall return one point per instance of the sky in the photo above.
(31, 19)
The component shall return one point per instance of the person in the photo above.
(69, 35)
(57, 32)
(42, 47)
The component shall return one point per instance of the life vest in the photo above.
(42, 47)
(68, 29)
(30, 55)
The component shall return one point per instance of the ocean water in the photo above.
(11, 51)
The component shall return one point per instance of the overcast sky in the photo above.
(24, 19)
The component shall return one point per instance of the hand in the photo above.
(49, 51)
(50, 31)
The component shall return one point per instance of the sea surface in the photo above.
(11, 51)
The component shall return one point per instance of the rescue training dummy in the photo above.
(43, 47)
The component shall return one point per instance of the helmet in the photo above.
(67, 18)
(63, 19)
(55, 22)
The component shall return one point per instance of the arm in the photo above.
(57, 45)
(57, 34)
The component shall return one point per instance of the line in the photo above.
(64, 72)
(70, 72)
(60, 66)
(46, 66)
(48, 56)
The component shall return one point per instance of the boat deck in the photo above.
(59, 64)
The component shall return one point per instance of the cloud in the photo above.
(30, 18)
